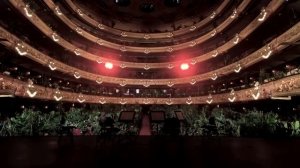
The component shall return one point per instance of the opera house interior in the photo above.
(191, 83)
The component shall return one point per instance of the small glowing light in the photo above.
(170, 34)
(102, 100)
(123, 34)
(169, 101)
(170, 84)
(146, 84)
(236, 39)
(55, 37)
(232, 96)
(108, 65)
(137, 91)
(146, 36)
(77, 75)
(58, 11)
(99, 41)
(184, 66)
(78, 30)
(193, 81)
(123, 48)
(146, 101)
(237, 68)
(170, 49)
(77, 52)
(193, 43)
(214, 76)
(266, 53)
(192, 28)
(213, 15)
(146, 51)
(123, 65)
(57, 95)
(21, 49)
(123, 83)
(189, 100)
(80, 98)
(146, 67)
(215, 53)
(79, 12)
(30, 89)
(123, 101)
(100, 26)
(99, 80)
(99, 61)
(262, 15)
(234, 14)
(209, 99)
(28, 12)
(52, 66)
(170, 66)
(213, 33)
(193, 62)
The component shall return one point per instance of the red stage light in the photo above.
(184, 66)
(108, 65)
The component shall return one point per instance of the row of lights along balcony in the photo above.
(77, 52)
(58, 95)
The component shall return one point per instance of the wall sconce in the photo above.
(55, 37)
(170, 35)
(262, 15)
(99, 80)
(232, 96)
(213, 33)
(77, 75)
(237, 68)
(213, 15)
(57, 95)
(266, 53)
(57, 10)
(77, 51)
(100, 42)
(170, 84)
(21, 49)
(146, 36)
(124, 34)
(78, 30)
(27, 10)
(192, 28)
(193, 81)
(52, 66)
(80, 13)
(100, 26)
(234, 14)
(215, 53)
(102, 100)
(214, 76)
(123, 101)
(80, 98)
(209, 99)
(146, 67)
(146, 51)
(169, 102)
(30, 89)
(189, 100)
(236, 39)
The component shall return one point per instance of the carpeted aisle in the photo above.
(146, 126)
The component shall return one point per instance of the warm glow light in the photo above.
(184, 66)
(108, 65)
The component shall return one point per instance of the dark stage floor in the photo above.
(149, 151)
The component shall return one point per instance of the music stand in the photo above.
(127, 116)
(179, 115)
(157, 117)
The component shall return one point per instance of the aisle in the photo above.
(146, 126)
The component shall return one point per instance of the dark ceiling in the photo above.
(148, 11)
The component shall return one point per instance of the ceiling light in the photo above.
(108, 65)
(184, 66)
